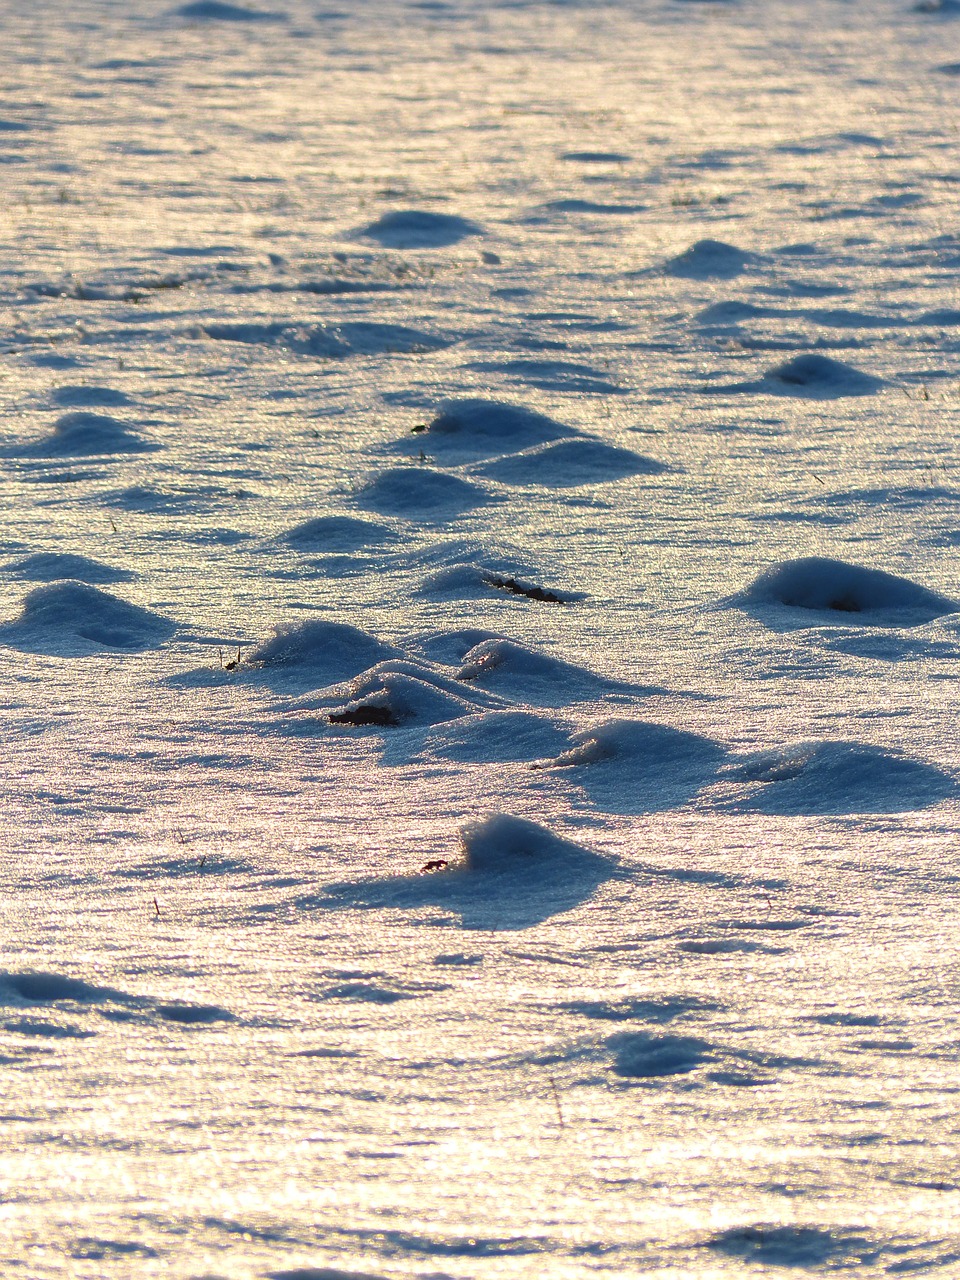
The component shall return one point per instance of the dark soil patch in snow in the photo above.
(50, 566)
(568, 463)
(420, 493)
(794, 593)
(85, 434)
(710, 260)
(823, 776)
(72, 617)
(418, 229)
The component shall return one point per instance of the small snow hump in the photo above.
(337, 534)
(709, 260)
(419, 493)
(50, 566)
(818, 376)
(499, 842)
(568, 463)
(418, 229)
(220, 11)
(85, 434)
(62, 617)
(326, 651)
(823, 777)
(477, 428)
(85, 396)
(396, 693)
(842, 592)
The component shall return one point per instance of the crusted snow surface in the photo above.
(479, 639)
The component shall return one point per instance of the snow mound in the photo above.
(819, 376)
(451, 647)
(83, 434)
(58, 617)
(513, 669)
(816, 584)
(337, 533)
(482, 427)
(398, 693)
(634, 766)
(331, 342)
(568, 463)
(709, 260)
(419, 493)
(498, 736)
(775, 1245)
(644, 1055)
(86, 397)
(417, 229)
(659, 745)
(823, 776)
(219, 11)
(49, 566)
(499, 842)
(327, 652)
(511, 874)
(473, 581)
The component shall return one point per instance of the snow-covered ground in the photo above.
(479, 634)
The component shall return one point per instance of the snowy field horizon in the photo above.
(479, 627)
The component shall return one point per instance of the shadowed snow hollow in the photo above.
(791, 594)
(67, 617)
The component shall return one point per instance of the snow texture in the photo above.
(480, 628)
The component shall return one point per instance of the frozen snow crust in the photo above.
(480, 556)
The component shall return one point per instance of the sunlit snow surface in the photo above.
(479, 639)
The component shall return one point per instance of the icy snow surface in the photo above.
(480, 625)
